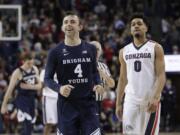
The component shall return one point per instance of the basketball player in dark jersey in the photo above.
(26, 80)
(74, 62)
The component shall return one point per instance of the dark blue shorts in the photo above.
(26, 108)
(78, 117)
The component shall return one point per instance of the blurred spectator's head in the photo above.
(168, 83)
(1, 76)
(175, 49)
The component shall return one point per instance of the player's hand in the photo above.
(4, 109)
(119, 112)
(99, 89)
(102, 73)
(66, 90)
(152, 105)
(13, 115)
(25, 86)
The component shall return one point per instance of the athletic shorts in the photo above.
(25, 106)
(78, 117)
(49, 107)
(137, 121)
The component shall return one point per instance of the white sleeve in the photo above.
(42, 75)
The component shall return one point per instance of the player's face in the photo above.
(30, 63)
(98, 48)
(71, 25)
(138, 27)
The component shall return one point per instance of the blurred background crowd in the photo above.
(105, 21)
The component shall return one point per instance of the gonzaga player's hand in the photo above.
(65, 90)
(119, 112)
(153, 105)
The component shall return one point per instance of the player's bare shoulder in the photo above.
(121, 55)
(16, 75)
(36, 69)
(158, 49)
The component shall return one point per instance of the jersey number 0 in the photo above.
(137, 66)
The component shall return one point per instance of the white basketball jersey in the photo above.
(140, 71)
(46, 90)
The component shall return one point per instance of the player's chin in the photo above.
(137, 34)
(30, 65)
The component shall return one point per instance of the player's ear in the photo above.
(146, 28)
(62, 28)
(80, 27)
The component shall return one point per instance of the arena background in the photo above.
(35, 25)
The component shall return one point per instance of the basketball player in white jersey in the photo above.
(142, 78)
(49, 105)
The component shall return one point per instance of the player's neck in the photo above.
(72, 41)
(139, 41)
(25, 67)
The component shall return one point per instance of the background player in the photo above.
(142, 77)
(26, 80)
(74, 61)
(49, 105)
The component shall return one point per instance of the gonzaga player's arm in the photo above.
(16, 75)
(121, 85)
(36, 86)
(160, 77)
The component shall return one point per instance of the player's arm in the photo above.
(121, 85)
(96, 77)
(159, 71)
(36, 86)
(159, 78)
(122, 79)
(109, 81)
(14, 78)
(42, 78)
(50, 71)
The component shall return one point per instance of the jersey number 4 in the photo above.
(78, 70)
(137, 66)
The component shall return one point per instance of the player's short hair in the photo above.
(26, 56)
(141, 16)
(71, 13)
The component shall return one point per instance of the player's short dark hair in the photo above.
(72, 13)
(141, 16)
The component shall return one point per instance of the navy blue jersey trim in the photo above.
(150, 124)
(138, 47)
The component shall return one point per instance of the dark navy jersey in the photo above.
(74, 65)
(28, 77)
(25, 99)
